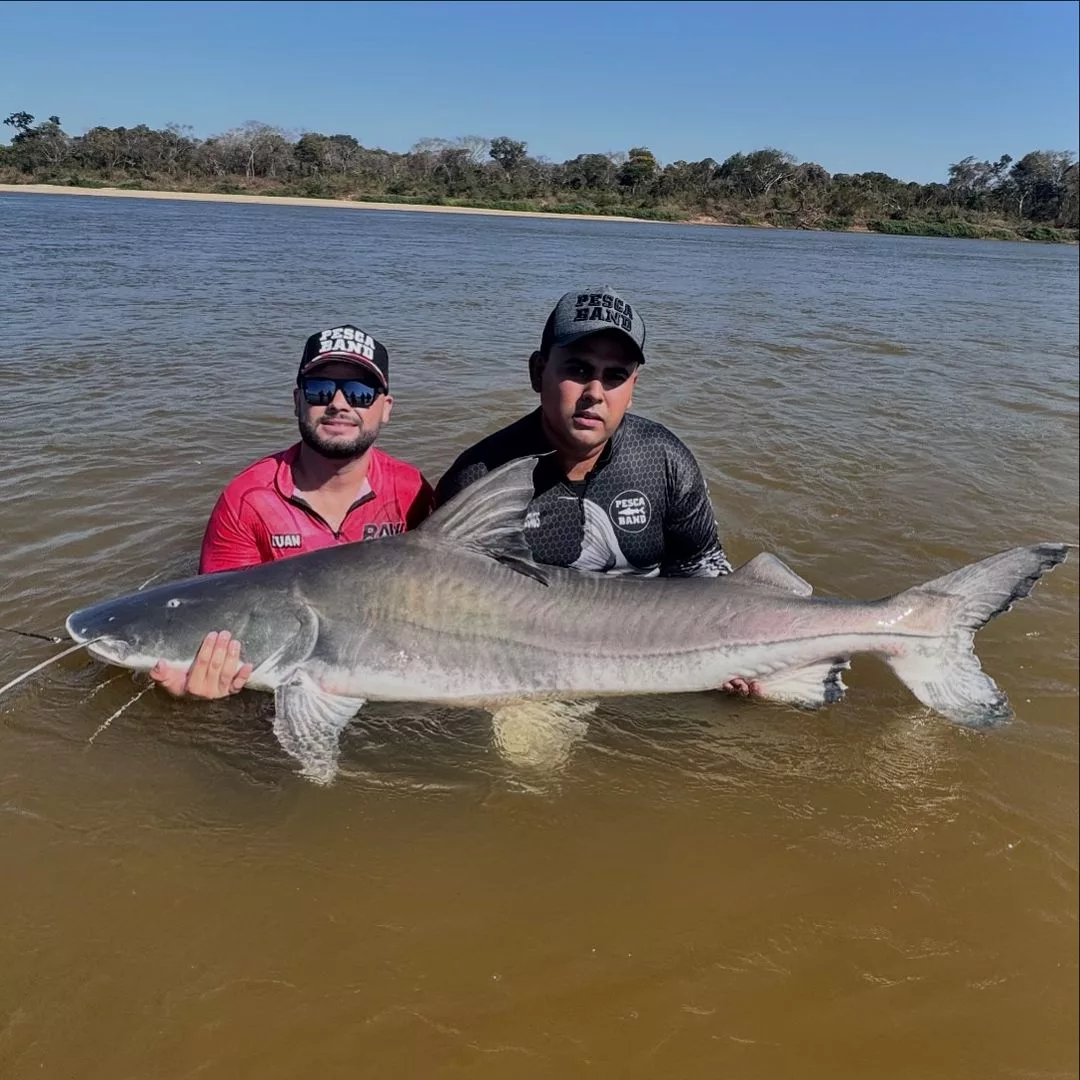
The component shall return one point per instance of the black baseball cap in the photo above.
(350, 344)
(588, 311)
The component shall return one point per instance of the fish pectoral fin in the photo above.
(809, 687)
(308, 723)
(540, 734)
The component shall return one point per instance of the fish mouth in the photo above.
(110, 649)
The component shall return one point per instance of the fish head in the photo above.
(169, 622)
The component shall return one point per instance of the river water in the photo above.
(708, 887)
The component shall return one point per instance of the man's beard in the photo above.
(336, 450)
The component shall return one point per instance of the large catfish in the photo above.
(458, 612)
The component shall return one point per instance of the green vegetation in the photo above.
(964, 229)
(1034, 198)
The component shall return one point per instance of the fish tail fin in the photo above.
(942, 670)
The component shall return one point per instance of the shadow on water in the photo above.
(711, 749)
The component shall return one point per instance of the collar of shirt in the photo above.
(286, 485)
(605, 454)
(550, 473)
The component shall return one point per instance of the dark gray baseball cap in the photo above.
(588, 311)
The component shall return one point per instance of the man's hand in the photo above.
(216, 673)
(741, 687)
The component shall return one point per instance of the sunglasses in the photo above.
(359, 395)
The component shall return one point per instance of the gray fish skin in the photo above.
(456, 612)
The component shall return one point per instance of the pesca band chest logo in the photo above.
(630, 511)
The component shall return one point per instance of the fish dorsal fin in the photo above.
(768, 570)
(488, 515)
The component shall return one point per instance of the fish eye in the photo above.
(172, 603)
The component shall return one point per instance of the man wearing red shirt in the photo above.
(332, 487)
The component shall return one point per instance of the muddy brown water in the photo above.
(707, 887)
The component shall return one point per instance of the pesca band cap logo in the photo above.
(347, 342)
(588, 311)
(604, 307)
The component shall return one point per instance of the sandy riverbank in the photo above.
(1001, 232)
(274, 200)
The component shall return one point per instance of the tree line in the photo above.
(1036, 196)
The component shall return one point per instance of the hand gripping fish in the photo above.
(457, 612)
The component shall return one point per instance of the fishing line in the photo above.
(32, 634)
(45, 663)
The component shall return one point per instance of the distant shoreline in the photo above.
(295, 200)
(863, 228)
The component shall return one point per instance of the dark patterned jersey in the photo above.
(644, 509)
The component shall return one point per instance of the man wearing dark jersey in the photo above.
(619, 494)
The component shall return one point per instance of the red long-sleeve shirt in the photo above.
(259, 517)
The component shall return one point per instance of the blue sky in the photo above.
(905, 88)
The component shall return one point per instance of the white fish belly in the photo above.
(505, 672)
